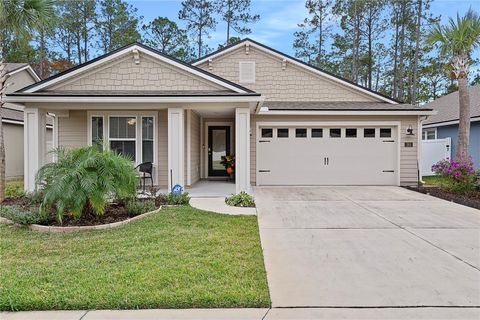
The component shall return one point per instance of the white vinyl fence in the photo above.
(434, 151)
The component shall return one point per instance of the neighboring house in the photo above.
(20, 75)
(445, 123)
(287, 123)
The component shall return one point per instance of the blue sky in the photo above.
(279, 19)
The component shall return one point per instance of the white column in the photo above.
(34, 132)
(176, 140)
(242, 150)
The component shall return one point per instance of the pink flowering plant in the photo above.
(458, 175)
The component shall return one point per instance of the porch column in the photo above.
(242, 150)
(176, 140)
(34, 132)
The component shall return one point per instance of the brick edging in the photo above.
(56, 229)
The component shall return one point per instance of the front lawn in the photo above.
(431, 180)
(180, 257)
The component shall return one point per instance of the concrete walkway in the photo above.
(251, 314)
(218, 205)
(368, 247)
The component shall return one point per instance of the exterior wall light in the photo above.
(410, 131)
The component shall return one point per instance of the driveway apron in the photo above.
(368, 247)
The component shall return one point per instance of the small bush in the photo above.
(242, 199)
(172, 199)
(138, 207)
(456, 175)
(84, 180)
(14, 189)
(23, 216)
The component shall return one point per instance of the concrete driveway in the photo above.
(368, 247)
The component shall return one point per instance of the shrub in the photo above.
(85, 179)
(23, 216)
(14, 189)
(137, 207)
(172, 199)
(456, 175)
(242, 199)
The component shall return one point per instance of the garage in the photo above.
(300, 154)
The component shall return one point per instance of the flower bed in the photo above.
(469, 199)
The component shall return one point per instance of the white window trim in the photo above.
(424, 131)
(242, 80)
(138, 139)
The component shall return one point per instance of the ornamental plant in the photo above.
(85, 180)
(457, 175)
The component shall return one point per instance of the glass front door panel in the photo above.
(218, 147)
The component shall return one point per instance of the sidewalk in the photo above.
(252, 314)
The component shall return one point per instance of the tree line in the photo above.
(378, 44)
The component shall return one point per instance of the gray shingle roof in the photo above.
(347, 106)
(447, 106)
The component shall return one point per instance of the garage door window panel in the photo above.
(300, 133)
(317, 133)
(385, 133)
(335, 133)
(282, 133)
(267, 133)
(369, 133)
(351, 133)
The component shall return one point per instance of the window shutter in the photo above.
(247, 71)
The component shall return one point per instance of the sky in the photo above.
(279, 18)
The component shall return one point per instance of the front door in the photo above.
(218, 146)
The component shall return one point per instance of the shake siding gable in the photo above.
(278, 83)
(124, 74)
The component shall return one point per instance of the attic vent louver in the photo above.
(246, 71)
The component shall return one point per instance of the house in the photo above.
(444, 124)
(287, 122)
(20, 75)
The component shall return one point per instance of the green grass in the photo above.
(14, 188)
(178, 258)
(432, 180)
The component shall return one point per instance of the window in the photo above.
(385, 133)
(147, 139)
(97, 131)
(429, 134)
(350, 133)
(317, 133)
(282, 133)
(267, 133)
(122, 135)
(246, 71)
(300, 133)
(335, 133)
(369, 133)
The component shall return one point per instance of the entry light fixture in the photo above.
(410, 131)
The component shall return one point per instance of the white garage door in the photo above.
(323, 155)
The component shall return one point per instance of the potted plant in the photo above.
(229, 163)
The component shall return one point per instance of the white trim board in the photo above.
(29, 69)
(347, 112)
(289, 60)
(131, 50)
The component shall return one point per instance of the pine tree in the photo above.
(236, 13)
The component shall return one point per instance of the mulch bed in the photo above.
(469, 199)
(113, 213)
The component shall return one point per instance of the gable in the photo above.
(283, 78)
(19, 80)
(125, 74)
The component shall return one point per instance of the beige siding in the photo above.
(150, 74)
(13, 137)
(195, 147)
(162, 165)
(72, 130)
(16, 82)
(408, 156)
(275, 83)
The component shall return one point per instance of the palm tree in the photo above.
(457, 40)
(19, 16)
